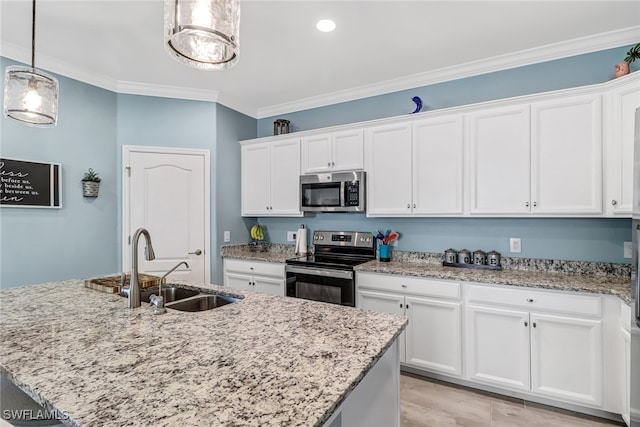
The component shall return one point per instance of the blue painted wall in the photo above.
(564, 73)
(232, 127)
(548, 238)
(568, 239)
(42, 245)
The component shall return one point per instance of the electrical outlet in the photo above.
(227, 236)
(515, 245)
(291, 236)
(628, 251)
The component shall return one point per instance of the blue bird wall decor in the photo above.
(418, 102)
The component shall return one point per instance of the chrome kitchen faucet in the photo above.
(133, 291)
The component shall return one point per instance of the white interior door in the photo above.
(166, 191)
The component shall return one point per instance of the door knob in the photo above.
(197, 252)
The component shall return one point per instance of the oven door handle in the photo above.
(339, 274)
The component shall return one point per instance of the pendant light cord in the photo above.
(33, 35)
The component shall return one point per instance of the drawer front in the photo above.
(409, 285)
(260, 268)
(530, 299)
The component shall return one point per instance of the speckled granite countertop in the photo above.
(618, 285)
(274, 253)
(263, 361)
(592, 277)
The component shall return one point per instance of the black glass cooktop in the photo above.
(328, 261)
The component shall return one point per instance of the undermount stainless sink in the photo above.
(201, 303)
(169, 293)
(178, 298)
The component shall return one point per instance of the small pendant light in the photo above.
(203, 34)
(31, 96)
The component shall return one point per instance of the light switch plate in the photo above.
(628, 251)
(227, 236)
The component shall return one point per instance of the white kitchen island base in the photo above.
(376, 399)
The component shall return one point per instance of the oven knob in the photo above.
(315, 237)
(321, 237)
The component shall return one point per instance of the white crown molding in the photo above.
(53, 65)
(561, 50)
(164, 91)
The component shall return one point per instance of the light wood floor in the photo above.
(426, 402)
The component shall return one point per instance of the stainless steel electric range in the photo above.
(327, 275)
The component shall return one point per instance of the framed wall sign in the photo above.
(26, 184)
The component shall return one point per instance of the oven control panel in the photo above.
(344, 238)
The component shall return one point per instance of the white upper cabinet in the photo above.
(270, 178)
(499, 160)
(542, 158)
(566, 156)
(388, 165)
(438, 166)
(256, 187)
(621, 103)
(416, 169)
(333, 152)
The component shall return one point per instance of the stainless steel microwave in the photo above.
(333, 192)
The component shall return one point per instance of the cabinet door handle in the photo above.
(526, 323)
(408, 205)
(534, 324)
(400, 305)
(535, 204)
(329, 164)
(197, 252)
(614, 202)
(404, 286)
(407, 306)
(414, 206)
(529, 299)
(333, 163)
(526, 204)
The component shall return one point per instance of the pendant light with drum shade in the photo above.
(203, 34)
(30, 95)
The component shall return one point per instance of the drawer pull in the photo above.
(529, 299)
(404, 286)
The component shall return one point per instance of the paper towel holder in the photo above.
(301, 241)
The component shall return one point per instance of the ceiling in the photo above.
(287, 65)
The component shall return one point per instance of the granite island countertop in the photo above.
(265, 360)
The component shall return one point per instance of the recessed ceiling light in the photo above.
(326, 25)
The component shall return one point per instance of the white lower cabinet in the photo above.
(549, 344)
(498, 347)
(258, 276)
(433, 338)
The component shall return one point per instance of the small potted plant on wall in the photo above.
(90, 184)
(622, 68)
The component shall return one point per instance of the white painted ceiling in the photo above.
(286, 64)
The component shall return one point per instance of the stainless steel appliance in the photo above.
(327, 275)
(333, 192)
(634, 357)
